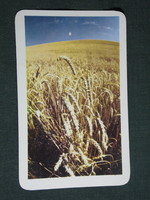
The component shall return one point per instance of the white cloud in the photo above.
(96, 24)
(58, 21)
(108, 28)
(89, 23)
(105, 27)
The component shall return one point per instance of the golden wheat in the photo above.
(69, 63)
(72, 113)
(78, 113)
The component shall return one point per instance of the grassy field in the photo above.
(73, 91)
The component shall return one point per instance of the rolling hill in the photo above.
(75, 47)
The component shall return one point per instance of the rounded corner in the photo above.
(24, 185)
(126, 179)
(122, 15)
(19, 14)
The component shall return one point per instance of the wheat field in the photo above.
(73, 98)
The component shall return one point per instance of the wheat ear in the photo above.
(97, 146)
(87, 90)
(104, 134)
(69, 170)
(89, 125)
(74, 100)
(67, 126)
(58, 164)
(83, 157)
(68, 62)
(72, 113)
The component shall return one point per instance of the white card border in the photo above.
(68, 182)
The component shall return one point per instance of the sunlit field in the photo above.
(73, 98)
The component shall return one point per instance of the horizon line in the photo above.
(70, 41)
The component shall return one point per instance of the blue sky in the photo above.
(39, 30)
